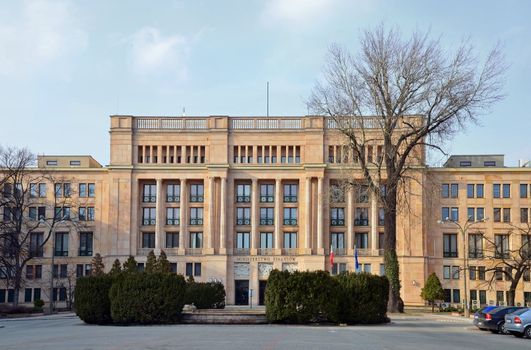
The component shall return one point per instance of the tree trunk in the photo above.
(432, 306)
(392, 270)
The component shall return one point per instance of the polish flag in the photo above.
(332, 256)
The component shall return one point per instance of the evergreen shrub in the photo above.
(209, 295)
(91, 299)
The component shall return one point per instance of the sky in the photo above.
(65, 66)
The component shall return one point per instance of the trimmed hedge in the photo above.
(91, 296)
(147, 298)
(209, 295)
(304, 297)
(363, 298)
(301, 297)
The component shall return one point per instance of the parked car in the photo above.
(494, 320)
(519, 323)
(483, 311)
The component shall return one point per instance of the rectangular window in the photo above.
(148, 240)
(290, 240)
(83, 190)
(506, 191)
(471, 214)
(61, 244)
(445, 190)
(27, 295)
(172, 239)
(447, 295)
(367, 268)
(480, 189)
(92, 190)
(197, 193)
(450, 245)
(498, 273)
(489, 163)
(454, 214)
(454, 190)
(290, 193)
(243, 193)
(480, 214)
(524, 215)
(445, 213)
(470, 190)
(243, 216)
(196, 240)
(173, 216)
(502, 246)
(197, 269)
(465, 163)
(497, 214)
(496, 190)
(62, 213)
(481, 273)
(85, 243)
(475, 246)
(361, 217)
(79, 270)
(149, 193)
(290, 216)
(362, 240)
(506, 214)
(266, 240)
(51, 162)
(173, 267)
(29, 272)
(337, 217)
(381, 217)
(243, 240)
(338, 268)
(173, 193)
(86, 213)
(267, 193)
(189, 269)
(36, 244)
(456, 296)
(455, 272)
(33, 190)
(472, 271)
(523, 190)
(337, 240)
(266, 216)
(149, 216)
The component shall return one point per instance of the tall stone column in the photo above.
(320, 195)
(211, 225)
(183, 205)
(159, 217)
(308, 212)
(374, 223)
(254, 216)
(223, 217)
(349, 217)
(278, 201)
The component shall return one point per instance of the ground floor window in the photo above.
(193, 269)
(338, 268)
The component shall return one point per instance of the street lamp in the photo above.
(463, 229)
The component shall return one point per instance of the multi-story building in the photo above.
(231, 198)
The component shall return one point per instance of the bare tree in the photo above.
(403, 95)
(29, 215)
(506, 263)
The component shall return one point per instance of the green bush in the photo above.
(363, 298)
(209, 295)
(147, 298)
(91, 297)
(301, 297)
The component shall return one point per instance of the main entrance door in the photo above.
(241, 290)
(261, 292)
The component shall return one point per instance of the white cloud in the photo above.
(42, 32)
(153, 52)
(296, 12)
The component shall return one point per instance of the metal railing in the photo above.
(241, 251)
(265, 251)
(171, 123)
(265, 123)
(193, 251)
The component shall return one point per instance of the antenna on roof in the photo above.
(184, 111)
(267, 98)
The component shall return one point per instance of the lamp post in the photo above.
(463, 229)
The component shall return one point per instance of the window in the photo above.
(149, 193)
(148, 240)
(267, 193)
(193, 269)
(173, 216)
(489, 163)
(86, 213)
(266, 216)
(62, 213)
(481, 273)
(382, 270)
(506, 191)
(140, 267)
(445, 190)
(475, 246)
(59, 294)
(337, 194)
(470, 191)
(243, 215)
(337, 240)
(496, 190)
(85, 244)
(37, 190)
(445, 213)
(62, 190)
(37, 213)
(497, 214)
(60, 271)
(173, 267)
(472, 271)
(172, 239)
(243, 193)
(290, 193)
(36, 244)
(27, 295)
(381, 217)
(361, 217)
(338, 268)
(290, 240)
(61, 244)
(79, 270)
(506, 214)
(51, 163)
(450, 213)
(456, 296)
(447, 295)
(148, 216)
(455, 272)
(337, 217)
(196, 240)
(524, 215)
(523, 190)
(362, 240)
(471, 214)
(502, 246)
(450, 245)
(83, 190)
(33, 272)
(465, 163)
(266, 240)
(525, 250)
(367, 268)
(454, 214)
(290, 216)
(196, 193)
(454, 190)
(173, 193)
(480, 190)
(75, 163)
(498, 272)
(480, 214)
(243, 241)
(502, 215)
(92, 190)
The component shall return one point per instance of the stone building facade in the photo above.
(231, 198)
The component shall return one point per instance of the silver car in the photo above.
(519, 323)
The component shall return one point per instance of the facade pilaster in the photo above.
(159, 217)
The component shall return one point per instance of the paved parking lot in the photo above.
(405, 332)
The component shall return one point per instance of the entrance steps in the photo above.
(229, 315)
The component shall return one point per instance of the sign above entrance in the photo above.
(264, 259)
